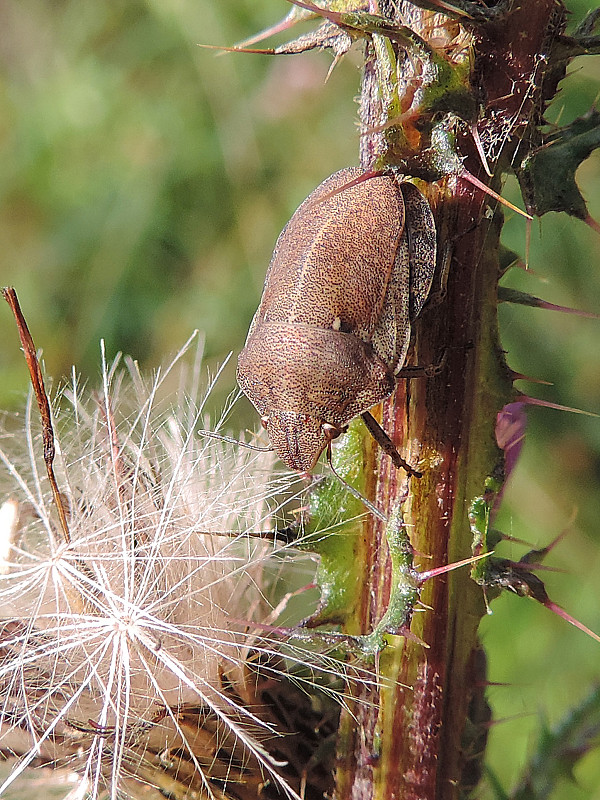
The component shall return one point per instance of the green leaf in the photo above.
(558, 750)
(547, 175)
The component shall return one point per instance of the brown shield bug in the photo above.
(351, 270)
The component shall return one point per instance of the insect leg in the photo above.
(386, 444)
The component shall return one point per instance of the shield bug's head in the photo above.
(308, 383)
(299, 439)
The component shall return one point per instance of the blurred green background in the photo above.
(143, 183)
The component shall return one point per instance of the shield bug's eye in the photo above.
(331, 431)
(264, 421)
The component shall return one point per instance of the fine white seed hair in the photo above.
(132, 656)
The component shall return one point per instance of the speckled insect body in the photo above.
(350, 272)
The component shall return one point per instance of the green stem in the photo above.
(416, 743)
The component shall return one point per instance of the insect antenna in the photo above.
(354, 492)
(232, 440)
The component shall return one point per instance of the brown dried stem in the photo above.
(37, 382)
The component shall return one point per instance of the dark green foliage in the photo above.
(557, 751)
(560, 748)
(547, 176)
